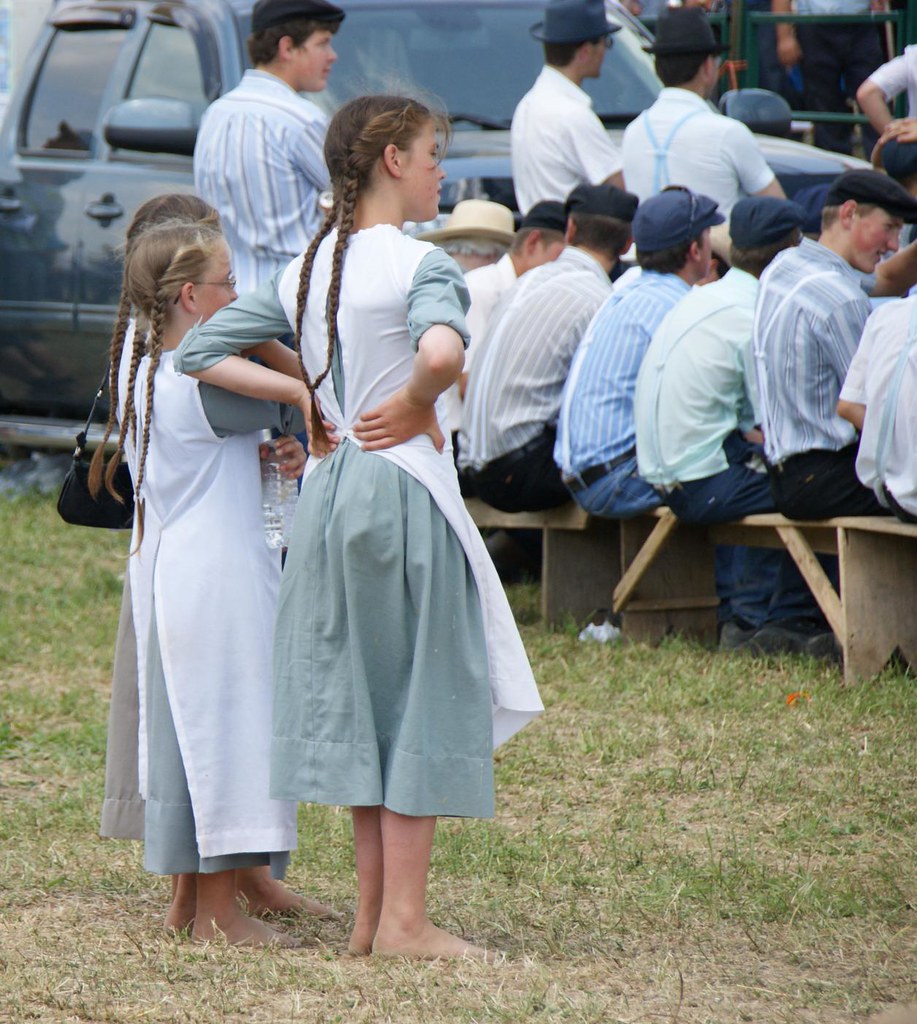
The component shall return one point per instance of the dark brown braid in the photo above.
(157, 324)
(174, 206)
(356, 138)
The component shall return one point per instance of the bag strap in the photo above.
(84, 433)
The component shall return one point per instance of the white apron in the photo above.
(379, 267)
(206, 569)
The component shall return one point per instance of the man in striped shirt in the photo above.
(809, 316)
(507, 439)
(596, 433)
(258, 158)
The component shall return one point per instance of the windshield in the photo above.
(477, 59)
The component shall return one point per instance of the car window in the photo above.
(479, 60)
(64, 107)
(169, 68)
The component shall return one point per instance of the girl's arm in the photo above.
(247, 378)
(411, 410)
(277, 356)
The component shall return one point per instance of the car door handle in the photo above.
(107, 208)
(10, 203)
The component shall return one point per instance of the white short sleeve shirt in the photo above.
(709, 153)
(867, 383)
(898, 76)
(558, 142)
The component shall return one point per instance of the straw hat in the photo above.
(476, 218)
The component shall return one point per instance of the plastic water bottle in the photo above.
(278, 498)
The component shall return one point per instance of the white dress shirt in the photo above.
(558, 142)
(714, 155)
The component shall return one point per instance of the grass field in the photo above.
(675, 842)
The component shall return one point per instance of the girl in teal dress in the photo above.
(397, 664)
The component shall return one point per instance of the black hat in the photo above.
(549, 215)
(876, 189)
(604, 200)
(268, 13)
(684, 30)
(760, 220)
(573, 21)
(672, 217)
(899, 159)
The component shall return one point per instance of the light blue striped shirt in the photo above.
(259, 161)
(597, 412)
(809, 317)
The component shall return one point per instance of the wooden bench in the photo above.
(657, 573)
(581, 562)
(873, 617)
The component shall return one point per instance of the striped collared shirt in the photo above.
(259, 161)
(518, 374)
(809, 317)
(597, 414)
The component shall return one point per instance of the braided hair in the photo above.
(161, 260)
(356, 138)
(170, 206)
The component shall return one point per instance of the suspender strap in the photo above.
(661, 152)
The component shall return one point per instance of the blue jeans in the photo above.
(755, 585)
(619, 495)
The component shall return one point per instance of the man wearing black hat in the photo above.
(259, 154)
(596, 440)
(680, 140)
(810, 314)
(515, 384)
(557, 141)
(696, 437)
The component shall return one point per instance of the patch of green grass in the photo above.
(673, 840)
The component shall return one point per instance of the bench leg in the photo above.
(673, 590)
(816, 578)
(580, 570)
(879, 588)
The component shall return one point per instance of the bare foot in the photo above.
(264, 895)
(179, 918)
(430, 943)
(241, 930)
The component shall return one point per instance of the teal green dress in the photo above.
(381, 683)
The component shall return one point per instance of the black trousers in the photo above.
(525, 480)
(836, 60)
(822, 484)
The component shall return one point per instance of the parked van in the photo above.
(105, 115)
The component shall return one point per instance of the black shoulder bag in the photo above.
(77, 506)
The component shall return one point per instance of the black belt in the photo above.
(592, 474)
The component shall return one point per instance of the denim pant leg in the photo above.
(620, 494)
(745, 577)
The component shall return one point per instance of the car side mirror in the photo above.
(152, 126)
(761, 110)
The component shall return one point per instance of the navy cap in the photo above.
(573, 21)
(684, 30)
(549, 215)
(760, 220)
(268, 13)
(672, 217)
(899, 159)
(875, 189)
(604, 200)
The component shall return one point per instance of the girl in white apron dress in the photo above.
(203, 587)
(397, 663)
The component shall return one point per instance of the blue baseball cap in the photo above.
(899, 159)
(760, 220)
(672, 217)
